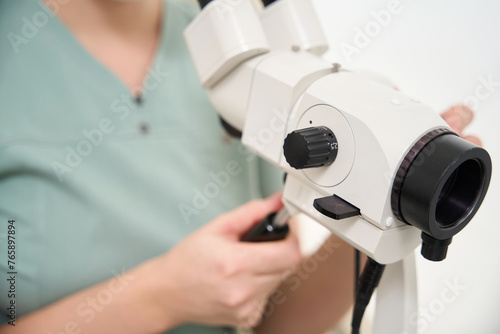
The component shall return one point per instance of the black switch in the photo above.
(335, 207)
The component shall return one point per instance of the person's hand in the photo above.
(458, 117)
(213, 278)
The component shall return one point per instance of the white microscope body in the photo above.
(266, 79)
(270, 95)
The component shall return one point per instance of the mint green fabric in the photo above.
(97, 182)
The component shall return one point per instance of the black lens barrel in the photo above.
(440, 185)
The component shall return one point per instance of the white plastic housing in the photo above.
(278, 82)
(293, 23)
(375, 126)
(287, 75)
(384, 124)
(272, 94)
(230, 96)
(222, 36)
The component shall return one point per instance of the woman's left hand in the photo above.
(458, 118)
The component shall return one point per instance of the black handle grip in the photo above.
(266, 231)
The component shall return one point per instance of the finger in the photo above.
(239, 221)
(458, 117)
(474, 140)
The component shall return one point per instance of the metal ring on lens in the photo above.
(406, 164)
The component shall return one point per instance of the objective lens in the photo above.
(441, 184)
(443, 191)
(459, 194)
(447, 187)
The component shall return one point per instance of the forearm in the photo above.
(316, 296)
(119, 305)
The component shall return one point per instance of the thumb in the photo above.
(239, 221)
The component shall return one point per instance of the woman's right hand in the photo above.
(213, 278)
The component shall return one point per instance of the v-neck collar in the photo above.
(165, 27)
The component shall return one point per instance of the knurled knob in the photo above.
(310, 147)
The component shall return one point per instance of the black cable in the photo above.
(368, 281)
(357, 264)
(267, 2)
(203, 3)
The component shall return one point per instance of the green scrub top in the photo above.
(96, 180)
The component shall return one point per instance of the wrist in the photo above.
(151, 299)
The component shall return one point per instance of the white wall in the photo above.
(438, 51)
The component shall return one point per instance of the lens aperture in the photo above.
(459, 194)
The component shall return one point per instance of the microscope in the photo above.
(379, 169)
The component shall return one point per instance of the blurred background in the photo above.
(443, 53)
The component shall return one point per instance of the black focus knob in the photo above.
(310, 147)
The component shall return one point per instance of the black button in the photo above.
(144, 128)
(138, 99)
(335, 207)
